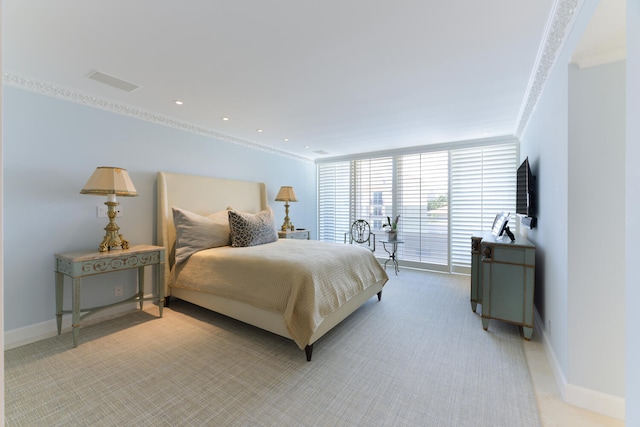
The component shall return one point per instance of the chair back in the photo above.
(361, 234)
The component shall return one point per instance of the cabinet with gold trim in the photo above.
(503, 280)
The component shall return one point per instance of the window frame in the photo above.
(506, 151)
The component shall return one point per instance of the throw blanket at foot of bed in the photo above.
(305, 280)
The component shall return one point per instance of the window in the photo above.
(483, 183)
(442, 197)
(372, 194)
(334, 192)
(422, 200)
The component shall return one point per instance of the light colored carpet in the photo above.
(417, 358)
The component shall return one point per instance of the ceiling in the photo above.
(318, 78)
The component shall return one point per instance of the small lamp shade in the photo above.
(110, 180)
(286, 194)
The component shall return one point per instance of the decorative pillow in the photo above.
(252, 229)
(196, 232)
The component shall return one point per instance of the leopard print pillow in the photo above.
(252, 229)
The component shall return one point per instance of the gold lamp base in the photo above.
(286, 225)
(112, 239)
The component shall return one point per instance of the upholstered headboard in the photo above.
(202, 195)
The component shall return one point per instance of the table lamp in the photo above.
(286, 195)
(112, 182)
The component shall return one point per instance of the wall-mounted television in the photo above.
(525, 194)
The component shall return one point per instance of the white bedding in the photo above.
(203, 195)
(305, 280)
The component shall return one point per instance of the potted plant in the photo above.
(392, 227)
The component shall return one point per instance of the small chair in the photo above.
(361, 234)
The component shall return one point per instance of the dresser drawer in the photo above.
(296, 234)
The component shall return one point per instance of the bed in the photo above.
(298, 289)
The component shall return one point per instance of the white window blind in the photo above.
(483, 183)
(373, 194)
(442, 197)
(422, 198)
(334, 192)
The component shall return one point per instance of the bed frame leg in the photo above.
(379, 295)
(167, 300)
(308, 350)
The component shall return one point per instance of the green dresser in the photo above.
(503, 280)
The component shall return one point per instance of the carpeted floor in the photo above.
(417, 358)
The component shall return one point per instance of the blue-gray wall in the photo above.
(52, 146)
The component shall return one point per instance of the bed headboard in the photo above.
(202, 195)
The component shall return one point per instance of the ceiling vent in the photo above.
(112, 81)
(321, 152)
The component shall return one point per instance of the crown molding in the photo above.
(443, 146)
(51, 90)
(595, 57)
(560, 22)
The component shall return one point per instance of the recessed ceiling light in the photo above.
(485, 133)
(285, 139)
(306, 146)
(178, 102)
(259, 130)
(226, 119)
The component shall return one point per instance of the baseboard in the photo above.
(606, 404)
(591, 400)
(32, 333)
(561, 381)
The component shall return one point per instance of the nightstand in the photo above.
(296, 234)
(80, 264)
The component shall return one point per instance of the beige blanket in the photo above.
(305, 280)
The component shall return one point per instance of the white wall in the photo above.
(596, 193)
(577, 317)
(52, 146)
(544, 142)
(632, 230)
(1, 242)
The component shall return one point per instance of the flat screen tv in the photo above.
(525, 192)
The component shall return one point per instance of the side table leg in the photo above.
(395, 262)
(392, 257)
(59, 299)
(160, 276)
(384, 246)
(140, 285)
(75, 315)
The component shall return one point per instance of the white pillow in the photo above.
(196, 232)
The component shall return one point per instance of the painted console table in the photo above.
(81, 264)
(503, 280)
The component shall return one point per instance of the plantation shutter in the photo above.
(483, 183)
(334, 190)
(373, 193)
(443, 197)
(423, 194)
